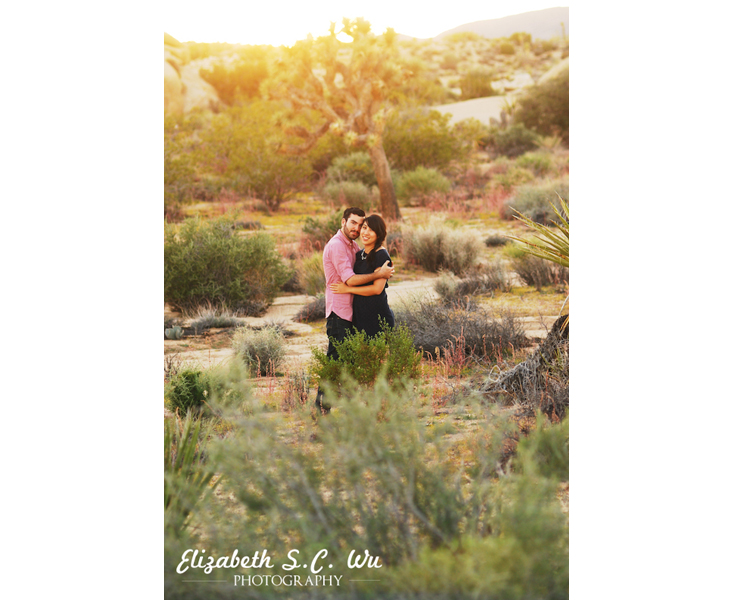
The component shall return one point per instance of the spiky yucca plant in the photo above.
(548, 244)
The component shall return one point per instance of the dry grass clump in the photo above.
(205, 317)
(438, 327)
(438, 247)
(486, 279)
(314, 311)
(262, 350)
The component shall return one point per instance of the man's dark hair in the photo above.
(353, 211)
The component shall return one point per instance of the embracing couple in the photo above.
(355, 295)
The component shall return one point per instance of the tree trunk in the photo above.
(388, 203)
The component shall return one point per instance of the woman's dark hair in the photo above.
(377, 225)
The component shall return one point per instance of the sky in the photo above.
(286, 21)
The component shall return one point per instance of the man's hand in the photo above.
(386, 271)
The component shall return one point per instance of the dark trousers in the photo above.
(337, 330)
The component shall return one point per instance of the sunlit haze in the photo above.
(285, 22)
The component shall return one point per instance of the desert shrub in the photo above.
(496, 240)
(506, 48)
(207, 263)
(453, 290)
(547, 448)
(310, 274)
(433, 507)
(476, 84)
(438, 247)
(540, 163)
(353, 167)
(544, 108)
(318, 231)
(363, 358)
(535, 271)
(261, 349)
(534, 201)
(314, 311)
(241, 148)
(187, 391)
(512, 177)
(434, 325)
(420, 137)
(450, 61)
(348, 193)
(420, 182)
(211, 316)
(510, 141)
(238, 80)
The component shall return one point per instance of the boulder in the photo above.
(185, 89)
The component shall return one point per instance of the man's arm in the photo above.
(384, 272)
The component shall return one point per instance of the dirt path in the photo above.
(305, 336)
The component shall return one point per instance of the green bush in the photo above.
(262, 350)
(540, 163)
(547, 448)
(237, 81)
(318, 231)
(511, 141)
(363, 358)
(208, 263)
(348, 193)
(420, 182)
(512, 177)
(437, 247)
(476, 84)
(544, 108)
(353, 167)
(241, 148)
(310, 274)
(506, 48)
(534, 201)
(187, 391)
(419, 137)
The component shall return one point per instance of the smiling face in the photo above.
(368, 237)
(351, 227)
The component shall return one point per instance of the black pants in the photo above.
(337, 330)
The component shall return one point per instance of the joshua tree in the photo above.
(345, 85)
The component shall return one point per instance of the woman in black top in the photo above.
(370, 303)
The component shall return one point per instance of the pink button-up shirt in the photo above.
(338, 258)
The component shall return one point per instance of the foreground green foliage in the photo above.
(363, 358)
(446, 515)
(208, 263)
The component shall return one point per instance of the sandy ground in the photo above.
(478, 108)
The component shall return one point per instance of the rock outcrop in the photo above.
(185, 89)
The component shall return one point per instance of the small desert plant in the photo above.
(540, 163)
(511, 141)
(186, 477)
(454, 290)
(506, 48)
(512, 177)
(544, 108)
(187, 391)
(476, 84)
(495, 240)
(535, 201)
(348, 193)
(535, 271)
(318, 231)
(310, 274)
(212, 316)
(420, 182)
(262, 350)
(438, 247)
(296, 390)
(353, 167)
(363, 358)
(481, 333)
(174, 333)
(547, 448)
(314, 311)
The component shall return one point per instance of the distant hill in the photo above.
(541, 24)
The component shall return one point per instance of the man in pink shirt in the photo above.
(339, 258)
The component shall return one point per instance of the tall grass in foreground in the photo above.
(447, 515)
